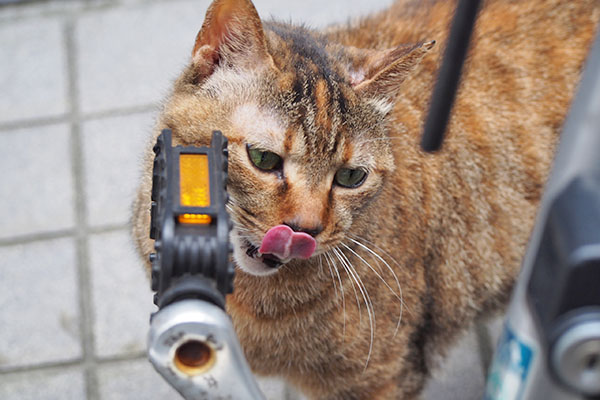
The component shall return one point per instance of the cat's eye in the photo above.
(265, 160)
(350, 178)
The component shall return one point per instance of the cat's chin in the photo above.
(250, 264)
(254, 267)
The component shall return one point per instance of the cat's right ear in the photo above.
(381, 73)
(232, 34)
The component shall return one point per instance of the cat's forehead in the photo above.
(269, 129)
(259, 126)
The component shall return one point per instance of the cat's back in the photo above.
(469, 209)
(523, 67)
(410, 21)
(522, 70)
(542, 40)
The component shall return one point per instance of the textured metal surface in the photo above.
(227, 377)
(576, 358)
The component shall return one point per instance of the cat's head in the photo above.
(306, 123)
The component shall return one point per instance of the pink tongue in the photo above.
(284, 243)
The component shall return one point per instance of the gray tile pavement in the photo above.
(132, 380)
(121, 296)
(137, 380)
(495, 327)
(34, 72)
(129, 55)
(37, 184)
(80, 84)
(56, 384)
(449, 378)
(112, 149)
(273, 389)
(38, 304)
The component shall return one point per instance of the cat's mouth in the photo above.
(279, 245)
(270, 260)
(250, 260)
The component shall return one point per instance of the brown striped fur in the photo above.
(451, 226)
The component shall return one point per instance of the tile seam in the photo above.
(85, 117)
(36, 237)
(60, 234)
(41, 368)
(78, 362)
(120, 112)
(83, 269)
(34, 122)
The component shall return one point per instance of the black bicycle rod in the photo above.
(449, 76)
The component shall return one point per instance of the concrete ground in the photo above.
(80, 82)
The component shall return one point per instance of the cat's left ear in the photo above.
(381, 73)
(232, 34)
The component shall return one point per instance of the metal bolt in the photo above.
(576, 358)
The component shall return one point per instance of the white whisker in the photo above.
(329, 264)
(398, 296)
(354, 289)
(360, 283)
(343, 299)
(404, 305)
(365, 295)
(320, 264)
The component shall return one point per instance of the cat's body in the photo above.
(451, 226)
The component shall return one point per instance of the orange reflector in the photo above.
(194, 219)
(194, 186)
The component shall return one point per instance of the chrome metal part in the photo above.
(193, 345)
(576, 358)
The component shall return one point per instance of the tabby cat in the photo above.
(359, 257)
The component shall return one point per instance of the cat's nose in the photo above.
(312, 231)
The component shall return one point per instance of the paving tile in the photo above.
(460, 377)
(39, 314)
(121, 296)
(34, 9)
(129, 55)
(33, 69)
(133, 380)
(317, 13)
(65, 384)
(137, 379)
(113, 149)
(495, 328)
(273, 389)
(294, 394)
(37, 186)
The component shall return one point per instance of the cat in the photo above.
(360, 258)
